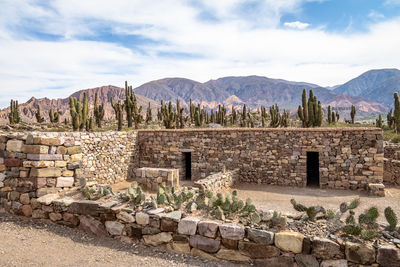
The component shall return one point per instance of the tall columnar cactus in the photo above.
(391, 218)
(233, 116)
(353, 113)
(264, 116)
(310, 112)
(191, 111)
(85, 111)
(76, 112)
(98, 111)
(168, 116)
(221, 115)
(38, 115)
(179, 118)
(243, 118)
(379, 122)
(90, 124)
(333, 117)
(275, 116)
(119, 112)
(396, 112)
(149, 116)
(390, 119)
(54, 116)
(14, 116)
(133, 112)
(329, 115)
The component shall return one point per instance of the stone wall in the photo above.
(218, 182)
(391, 175)
(204, 238)
(348, 157)
(30, 163)
(152, 178)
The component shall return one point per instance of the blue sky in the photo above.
(52, 48)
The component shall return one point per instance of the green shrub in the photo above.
(391, 218)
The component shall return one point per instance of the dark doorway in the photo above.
(188, 165)
(312, 169)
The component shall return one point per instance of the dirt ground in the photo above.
(268, 197)
(24, 242)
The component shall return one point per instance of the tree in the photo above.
(353, 113)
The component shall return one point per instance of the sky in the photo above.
(52, 48)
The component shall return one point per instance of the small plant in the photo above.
(310, 211)
(366, 226)
(391, 218)
(95, 192)
(330, 214)
(368, 234)
(134, 194)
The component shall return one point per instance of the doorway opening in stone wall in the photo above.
(313, 169)
(187, 163)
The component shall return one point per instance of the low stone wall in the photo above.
(30, 163)
(204, 238)
(218, 182)
(391, 174)
(152, 178)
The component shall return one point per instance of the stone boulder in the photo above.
(158, 239)
(231, 231)
(289, 241)
(125, 217)
(232, 255)
(260, 236)
(326, 249)
(303, 260)
(114, 227)
(258, 251)
(281, 261)
(47, 199)
(204, 243)
(334, 263)
(142, 218)
(388, 256)
(188, 226)
(92, 226)
(360, 253)
(208, 228)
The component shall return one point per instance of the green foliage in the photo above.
(390, 119)
(133, 112)
(391, 218)
(329, 115)
(54, 116)
(330, 214)
(78, 115)
(38, 115)
(134, 194)
(310, 211)
(368, 234)
(98, 111)
(95, 192)
(14, 116)
(352, 113)
(310, 112)
(396, 112)
(379, 122)
(149, 116)
(118, 110)
(352, 229)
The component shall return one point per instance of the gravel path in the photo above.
(24, 242)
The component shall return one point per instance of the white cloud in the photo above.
(296, 25)
(373, 14)
(237, 44)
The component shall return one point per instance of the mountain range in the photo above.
(371, 93)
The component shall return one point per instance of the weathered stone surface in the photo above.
(47, 199)
(39, 214)
(45, 172)
(334, 263)
(326, 249)
(281, 261)
(2, 168)
(174, 216)
(55, 216)
(24, 199)
(48, 141)
(168, 225)
(35, 149)
(12, 162)
(74, 150)
(75, 158)
(44, 157)
(148, 230)
(229, 243)
(232, 255)
(26, 210)
(188, 226)
(208, 228)
(260, 236)
(142, 218)
(114, 227)
(289, 241)
(61, 163)
(85, 207)
(158, 239)
(231, 231)
(199, 253)
(388, 256)
(92, 226)
(306, 260)
(125, 217)
(71, 218)
(14, 145)
(65, 182)
(204, 243)
(258, 251)
(45, 191)
(360, 253)
(38, 164)
(179, 247)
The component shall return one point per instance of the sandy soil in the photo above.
(24, 242)
(268, 197)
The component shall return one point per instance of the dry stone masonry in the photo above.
(152, 178)
(391, 174)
